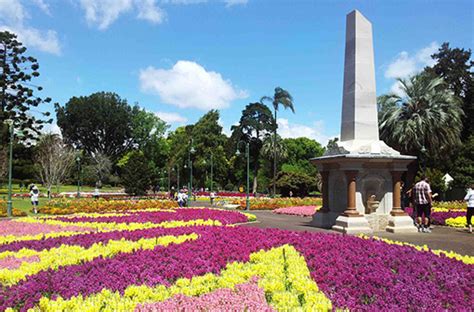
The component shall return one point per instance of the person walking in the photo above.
(423, 200)
(469, 198)
(34, 194)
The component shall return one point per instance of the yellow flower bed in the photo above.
(68, 206)
(101, 227)
(73, 254)
(438, 252)
(283, 275)
(458, 222)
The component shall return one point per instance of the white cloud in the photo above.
(171, 117)
(188, 85)
(229, 3)
(148, 10)
(402, 67)
(52, 128)
(13, 17)
(104, 12)
(406, 65)
(293, 130)
(43, 6)
(424, 55)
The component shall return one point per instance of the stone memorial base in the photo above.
(377, 222)
(324, 220)
(352, 225)
(401, 224)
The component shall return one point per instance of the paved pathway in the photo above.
(446, 238)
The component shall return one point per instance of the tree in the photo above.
(255, 124)
(136, 174)
(208, 139)
(427, 116)
(454, 66)
(283, 98)
(299, 153)
(146, 127)
(274, 148)
(297, 182)
(54, 160)
(16, 90)
(98, 123)
(102, 167)
(463, 165)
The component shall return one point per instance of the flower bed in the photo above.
(15, 212)
(439, 216)
(303, 211)
(274, 203)
(66, 206)
(134, 262)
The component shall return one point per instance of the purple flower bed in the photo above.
(439, 218)
(354, 273)
(225, 217)
(86, 240)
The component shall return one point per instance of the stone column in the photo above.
(396, 206)
(325, 191)
(351, 211)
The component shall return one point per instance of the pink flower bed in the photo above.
(17, 228)
(13, 263)
(304, 211)
(245, 297)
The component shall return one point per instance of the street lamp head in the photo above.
(8, 122)
(192, 151)
(78, 158)
(423, 149)
(237, 153)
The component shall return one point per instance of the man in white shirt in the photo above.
(469, 198)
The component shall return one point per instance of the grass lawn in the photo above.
(24, 204)
(62, 188)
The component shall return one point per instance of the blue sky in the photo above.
(179, 58)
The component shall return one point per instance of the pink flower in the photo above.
(305, 211)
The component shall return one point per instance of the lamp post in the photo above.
(190, 164)
(212, 165)
(247, 202)
(169, 180)
(423, 159)
(9, 123)
(78, 162)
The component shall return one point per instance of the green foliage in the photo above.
(147, 128)
(299, 183)
(436, 180)
(454, 66)
(98, 123)
(255, 124)
(16, 89)
(136, 174)
(427, 115)
(300, 151)
(463, 166)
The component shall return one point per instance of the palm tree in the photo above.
(426, 116)
(269, 148)
(283, 98)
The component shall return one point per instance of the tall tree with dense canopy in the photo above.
(454, 66)
(427, 116)
(255, 124)
(99, 123)
(283, 98)
(16, 89)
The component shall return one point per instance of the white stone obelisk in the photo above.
(359, 124)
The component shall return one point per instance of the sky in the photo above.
(181, 58)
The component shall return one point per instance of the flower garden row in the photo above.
(169, 258)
